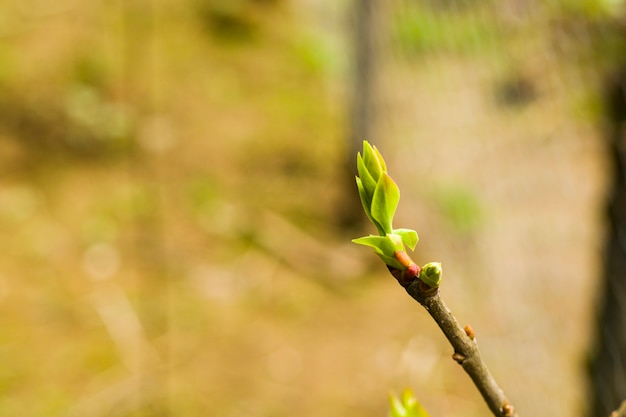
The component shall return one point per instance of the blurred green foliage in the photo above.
(134, 137)
(203, 195)
(459, 207)
(419, 28)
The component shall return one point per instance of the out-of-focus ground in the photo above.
(171, 174)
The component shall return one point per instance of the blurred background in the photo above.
(177, 202)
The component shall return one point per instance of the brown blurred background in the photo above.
(176, 205)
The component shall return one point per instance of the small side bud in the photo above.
(458, 358)
(469, 332)
(507, 410)
(431, 274)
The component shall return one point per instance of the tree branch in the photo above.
(380, 196)
(465, 348)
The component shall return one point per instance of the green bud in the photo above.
(380, 196)
(405, 406)
(378, 192)
(431, 274)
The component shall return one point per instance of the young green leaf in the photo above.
(372, 161)
(383, 245)
(369, 182)
(385, 202)
(365, 199)
(409, 237)
(380, 158)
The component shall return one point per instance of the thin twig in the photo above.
(465, 349)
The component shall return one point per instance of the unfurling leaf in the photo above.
(380, 196)
(373, 160)
(366, 200)
(369, 183)
(409, 237)
(384, 246)
(385, 202)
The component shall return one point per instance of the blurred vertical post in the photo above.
(364, 73)
(366, 17)
(608, 367)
